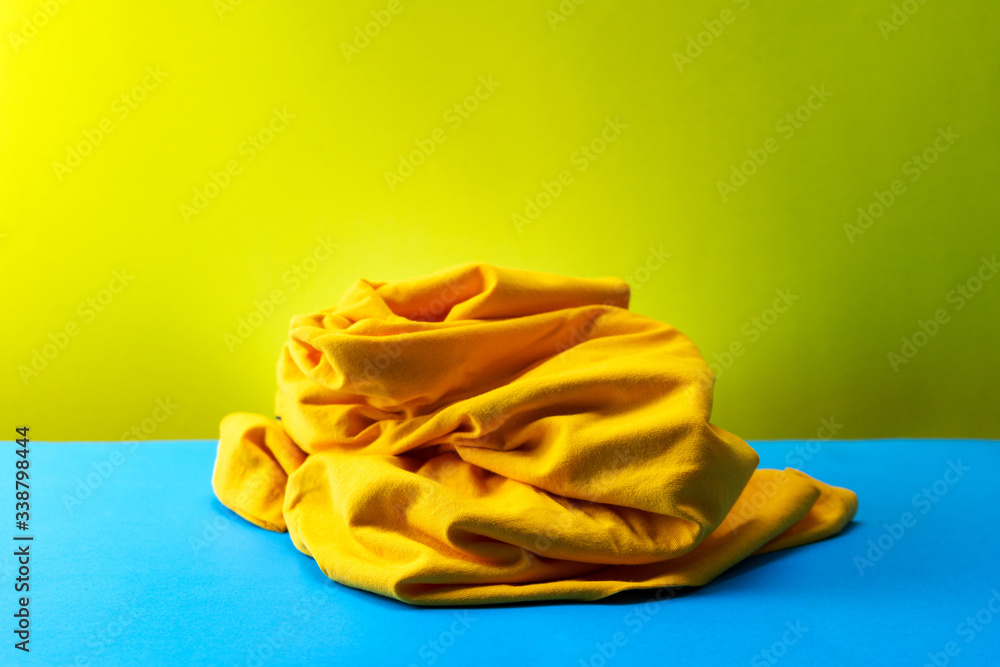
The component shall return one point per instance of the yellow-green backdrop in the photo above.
(808, 187)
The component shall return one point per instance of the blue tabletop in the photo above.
(134, 562)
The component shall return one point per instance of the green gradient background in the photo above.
(656, 185)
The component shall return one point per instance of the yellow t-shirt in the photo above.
(485, 435)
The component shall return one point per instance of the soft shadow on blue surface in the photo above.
(774, 558)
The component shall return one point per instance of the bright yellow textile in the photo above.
(485, 435)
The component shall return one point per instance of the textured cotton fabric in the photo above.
(486, 435)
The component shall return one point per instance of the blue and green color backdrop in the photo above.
(808, 190)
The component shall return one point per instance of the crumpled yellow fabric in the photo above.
(487, 435)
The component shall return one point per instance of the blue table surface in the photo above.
(135, 562)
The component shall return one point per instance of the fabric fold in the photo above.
(486, 435)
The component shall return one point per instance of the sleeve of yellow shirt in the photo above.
(485, 435)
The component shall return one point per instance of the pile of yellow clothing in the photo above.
(485, 435)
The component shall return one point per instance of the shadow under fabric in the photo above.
(486, 435)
